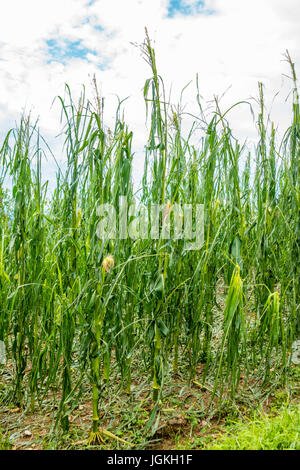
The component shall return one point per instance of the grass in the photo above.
(5, 443)
(281, 432)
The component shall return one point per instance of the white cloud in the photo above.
(241, 43)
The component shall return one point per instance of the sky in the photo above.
(230, 44)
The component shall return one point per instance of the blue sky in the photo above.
(62, 51)
(187, 8)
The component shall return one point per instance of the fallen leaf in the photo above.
(78, 443)
(15, 410)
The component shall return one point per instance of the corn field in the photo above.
(78, 312)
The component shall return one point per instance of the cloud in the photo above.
(46, 44)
